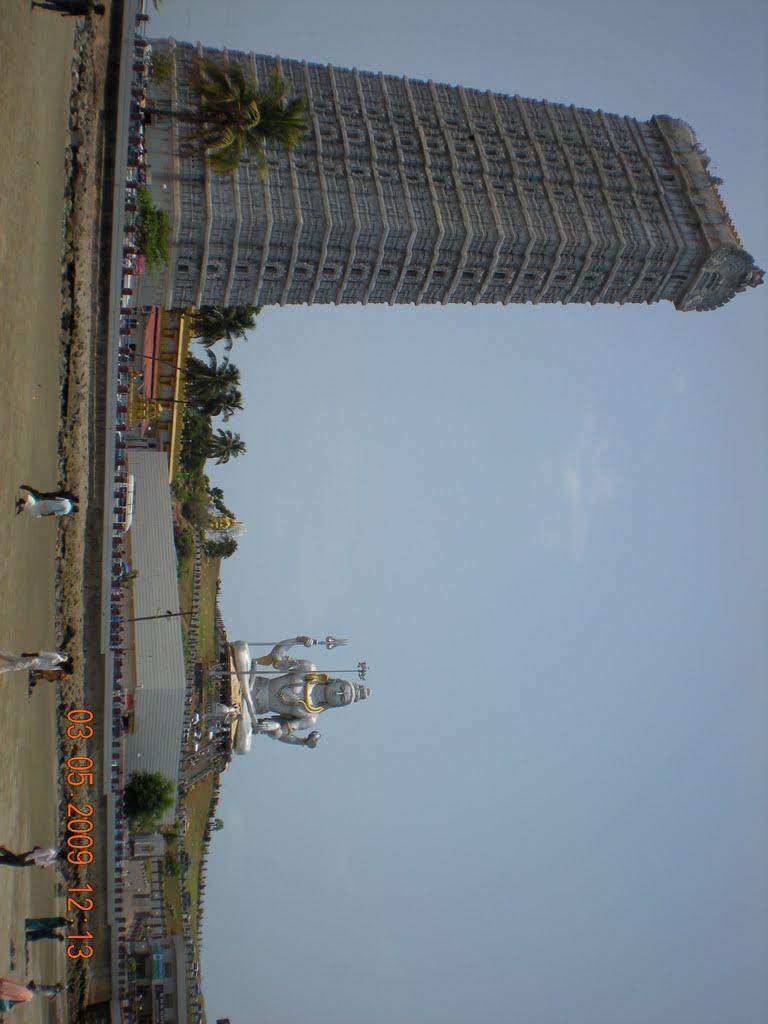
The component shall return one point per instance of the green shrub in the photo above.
(196, 433)
(153, 232)
(172, 866)
(162, 67)
(146, 798)
(185, 543)
(217, 500)
(195, 509)
(220, 548)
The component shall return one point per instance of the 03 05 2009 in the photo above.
(79, 829)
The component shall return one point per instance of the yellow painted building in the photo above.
(156, 398)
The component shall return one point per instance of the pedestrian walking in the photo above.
(44, 933)
(35, 661)
(53, 675)
(46, 503)
(47, 990)
(37, 924)
(38, 856)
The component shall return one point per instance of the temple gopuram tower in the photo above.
(412, 192)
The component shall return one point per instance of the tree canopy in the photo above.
(224, 445)
(211, 324)
(225, 404)
(147, 796)
(221, 548)
(195, 436)
(236, 118)
(153, 231)
(209, 381)
(212, 390)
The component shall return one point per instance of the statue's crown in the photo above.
(361, 692)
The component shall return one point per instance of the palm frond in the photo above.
(217, 83)
(236, 117)
(254, 146)
(226, 158)
(275, 92)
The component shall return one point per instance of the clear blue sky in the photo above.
(545, 528)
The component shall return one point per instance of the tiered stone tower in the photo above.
(406, 191)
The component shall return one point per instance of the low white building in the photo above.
(155, 671)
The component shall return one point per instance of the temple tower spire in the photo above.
(404, 191)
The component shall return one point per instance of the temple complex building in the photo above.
(404, 191)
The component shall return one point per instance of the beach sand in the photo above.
(36, 80)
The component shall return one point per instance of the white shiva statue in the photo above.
(283, 705)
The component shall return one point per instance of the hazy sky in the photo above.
(545, 528)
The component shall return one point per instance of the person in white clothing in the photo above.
(35, 661)
(45, 856)
(39, 856)
(46, 503)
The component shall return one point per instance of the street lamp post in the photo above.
(161, 615)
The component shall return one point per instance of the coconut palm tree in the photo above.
(225, 445)
(211, 324)
(282, 119)
(236, 118)
(212, 391)
(209, 380)
(224, 404)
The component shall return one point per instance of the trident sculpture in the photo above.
(288, 699)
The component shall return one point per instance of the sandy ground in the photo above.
(36, 80)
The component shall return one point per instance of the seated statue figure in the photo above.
(283, 705)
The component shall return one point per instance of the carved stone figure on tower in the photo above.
(282, 705)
